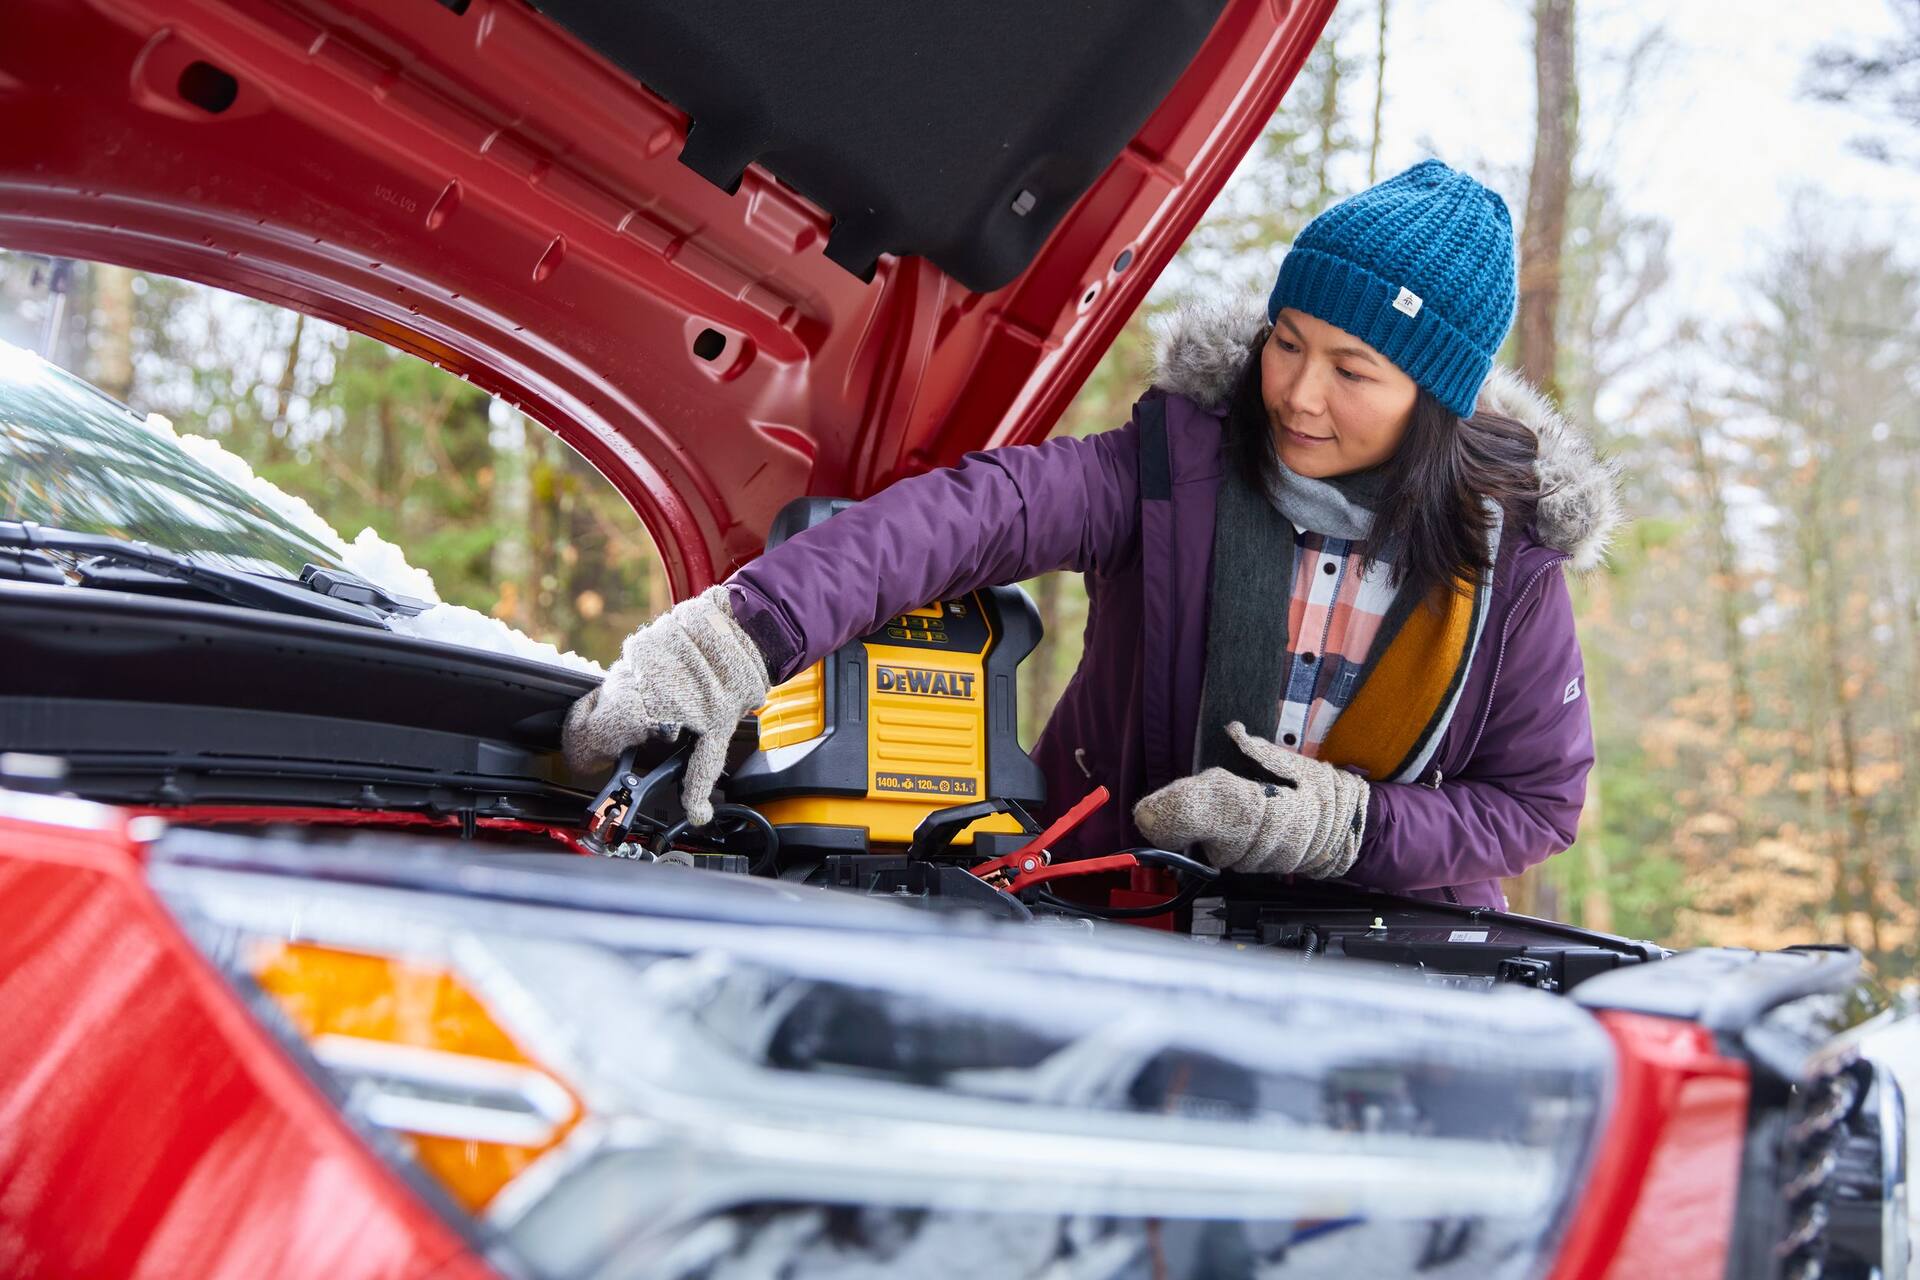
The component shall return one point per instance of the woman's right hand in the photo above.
(690, 669)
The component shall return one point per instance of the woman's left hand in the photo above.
(1307, 822)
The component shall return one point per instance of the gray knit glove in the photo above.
(691, 668)
(1307, 823)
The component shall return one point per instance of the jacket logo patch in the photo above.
(1408, 303)
(922, 682)
(1573, 691)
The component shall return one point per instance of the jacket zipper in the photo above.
(1493, 683)
(1500, 655)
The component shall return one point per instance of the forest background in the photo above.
(1716, 280)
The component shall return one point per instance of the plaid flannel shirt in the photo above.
(1334, 614)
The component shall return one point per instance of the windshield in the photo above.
(73, 458)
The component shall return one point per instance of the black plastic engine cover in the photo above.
(960, 132)
(1452, 945)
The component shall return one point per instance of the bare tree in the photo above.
(1830, 357)
(1293, 172)
(1884, 81)
(274, 446)
(1556, 131)
(1379, 94)
(111, 361)
(1699, 423)
(1328, 120)
(1548, 188)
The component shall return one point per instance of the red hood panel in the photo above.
(480, 189)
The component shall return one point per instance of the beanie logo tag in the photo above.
(1408, 303)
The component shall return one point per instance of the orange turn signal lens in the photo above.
(442, 1072)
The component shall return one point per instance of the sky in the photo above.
(1714, 139)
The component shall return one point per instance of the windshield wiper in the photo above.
(105, 561)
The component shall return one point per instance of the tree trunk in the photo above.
(278, 430)
(388, 465)
(1855, 864)
(1596, 903)
(1039, 687)
(1906, 570)
(1832, 741)
(1379, 95)
(1863, 857)
(1725, 566)
(1548, 187)
(1556, 129)
(546, 537)
(63, 331)
(591, 582)
(112, 363)
(512, 500)
(1327, 122)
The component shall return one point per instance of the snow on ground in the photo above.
(379, 562)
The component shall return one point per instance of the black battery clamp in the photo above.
(637, 814)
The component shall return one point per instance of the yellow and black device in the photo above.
(919, 715)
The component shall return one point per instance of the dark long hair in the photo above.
(1432, 521)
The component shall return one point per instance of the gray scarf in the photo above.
(1339, 507)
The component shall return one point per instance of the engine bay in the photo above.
(315, 730)
(636, 816)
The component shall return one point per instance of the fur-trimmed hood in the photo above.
(1202, 349)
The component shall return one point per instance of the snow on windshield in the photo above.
(379, 562)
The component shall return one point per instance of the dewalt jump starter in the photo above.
(917, 716)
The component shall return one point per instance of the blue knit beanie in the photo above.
(1420, 268)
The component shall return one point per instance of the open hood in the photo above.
(733, 251)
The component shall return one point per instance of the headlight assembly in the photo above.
(622, 1070)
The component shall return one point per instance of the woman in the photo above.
(1327, 631)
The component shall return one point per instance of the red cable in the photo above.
(1080, 867)
(1045, 840)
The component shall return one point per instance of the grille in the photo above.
(1815, 1140)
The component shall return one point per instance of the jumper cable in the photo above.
(1035, 855)
(1031, 866)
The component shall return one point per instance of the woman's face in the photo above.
(1335, 405)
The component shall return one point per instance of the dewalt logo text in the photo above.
(920, 681)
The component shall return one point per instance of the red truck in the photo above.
(301, 973)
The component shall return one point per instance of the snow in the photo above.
(382, 563)
(379, 562)
(235, 470)
(469, 628)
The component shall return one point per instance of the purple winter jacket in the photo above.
(1506, 785)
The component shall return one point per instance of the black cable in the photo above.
(1180, 900)
(1176, 861)
(769, 856)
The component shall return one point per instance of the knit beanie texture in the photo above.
(1420, 268)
